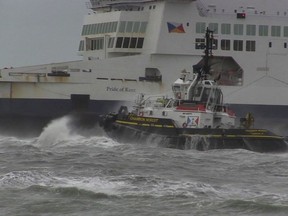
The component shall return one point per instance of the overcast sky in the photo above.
(40, 31)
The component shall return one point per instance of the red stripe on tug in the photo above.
(198, 107)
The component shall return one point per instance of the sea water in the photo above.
(64, 173)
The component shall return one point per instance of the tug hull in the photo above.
(257, 140)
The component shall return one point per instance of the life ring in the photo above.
(184, 125)
(141, 113)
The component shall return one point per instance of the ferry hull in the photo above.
(28, 117)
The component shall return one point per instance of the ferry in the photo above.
(135, 46)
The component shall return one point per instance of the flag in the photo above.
(175, 27)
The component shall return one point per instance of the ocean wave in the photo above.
(59, 134)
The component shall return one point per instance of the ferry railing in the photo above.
(210, 10)
(94, 4)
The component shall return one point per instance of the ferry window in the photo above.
(92, 44)
(263, 30)
(199, 43)
(238, 45)
(129, 27)
(96, 43)
(105, 28)
(115, 26)
(119, 42)
(285, 32)
(238, 29)
(215, 44)
(275, 31)
(89, 30)
(126, 42)
(92, 29)
(133, 42)
(251, 29)
(111, 42)
(225, 44)
(100, 43)
(200, 27)
(96, 29)
(213, 27)
(250, 46)
(270, 44)
(225, 28)
(101, 31)
(122, 26)
(140, 42)
(285, 45)
(84, 30)
(81, 45)
(143, 27)
(110, 29)
(136, 27)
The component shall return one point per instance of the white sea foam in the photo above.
(56, 132)
(59, 134)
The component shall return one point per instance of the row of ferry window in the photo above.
(238, 29)
(238, 45)
(121, 42)
(110, 27)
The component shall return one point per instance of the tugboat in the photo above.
(194, 117)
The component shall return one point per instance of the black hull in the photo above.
(256, 140)
(28, 117)
(31, 126)
(25, 117)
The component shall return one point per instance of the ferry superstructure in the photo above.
(135, 46)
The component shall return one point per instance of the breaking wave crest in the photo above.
(59, 133)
